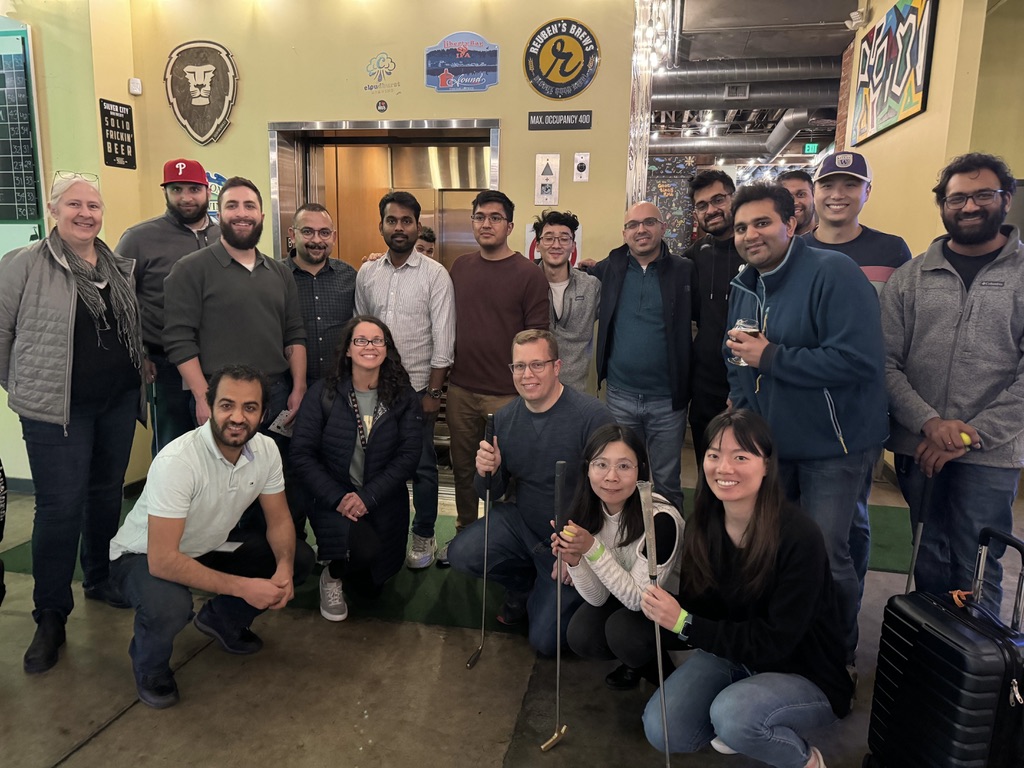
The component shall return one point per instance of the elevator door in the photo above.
(355, 179)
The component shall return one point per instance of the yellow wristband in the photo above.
(593, 558)
(683, 613)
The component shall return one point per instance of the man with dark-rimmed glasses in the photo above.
(644, 342)
(954, 367)
(498, 293)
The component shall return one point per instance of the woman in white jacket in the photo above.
(603, 545)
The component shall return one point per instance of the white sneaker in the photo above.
(421, 552)
(720, 746)
(332, 600)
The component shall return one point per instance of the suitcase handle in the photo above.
(986, 536)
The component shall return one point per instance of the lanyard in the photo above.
(360, 427)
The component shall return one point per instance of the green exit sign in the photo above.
(810, 149)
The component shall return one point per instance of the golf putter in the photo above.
(559, 522)
(926, 503)
(647, 505)
(489, 437)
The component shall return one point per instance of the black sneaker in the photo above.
(513, 610)
(44, 651)
(623, 678)
(241, 642)
(107, 593)
(158, 691)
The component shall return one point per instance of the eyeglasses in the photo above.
(68, 175)
(308, 232)
(537, 366)
(551, 239)
(649, 223)
(981, 199)
(603, 466)
(718, 201)
(359, 341)
(494, 218)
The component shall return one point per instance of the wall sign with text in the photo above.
(561, 59)
(118, 134)
(462, 62)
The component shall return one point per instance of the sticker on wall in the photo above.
(382, 106)
(462, 62)
(216, 181)
(381, 70)
(561, 59)
(201, 82)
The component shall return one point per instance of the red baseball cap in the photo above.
(182, 171)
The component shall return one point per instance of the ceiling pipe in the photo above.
(764, 95)
(764, 148)
(748, 71)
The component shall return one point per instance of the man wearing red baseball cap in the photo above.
(157, 245)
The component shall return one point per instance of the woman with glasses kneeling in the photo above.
(357, 440)
(603, 545)
(756, 601)
(70, 360)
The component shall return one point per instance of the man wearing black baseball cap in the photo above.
(157, 245)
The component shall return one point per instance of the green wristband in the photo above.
(683, 613)
(596, 555)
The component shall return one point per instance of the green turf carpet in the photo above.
(442, 596)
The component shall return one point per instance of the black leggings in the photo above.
(611, 631)
(364, 547)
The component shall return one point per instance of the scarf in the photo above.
(122, 299)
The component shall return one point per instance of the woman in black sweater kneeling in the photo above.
(757, 603)
(357, 440)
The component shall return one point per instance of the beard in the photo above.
(982, 224)
(719, 226)
(219, 428)
(185, 218)
(400, 243)
(239, 241)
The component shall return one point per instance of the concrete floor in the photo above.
(359, 694)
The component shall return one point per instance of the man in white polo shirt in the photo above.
(177, 536)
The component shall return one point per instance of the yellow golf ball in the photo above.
(966, 438)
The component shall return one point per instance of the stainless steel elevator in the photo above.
(348, 166)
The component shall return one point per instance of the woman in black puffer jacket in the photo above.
(357, 440)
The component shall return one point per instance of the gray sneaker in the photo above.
(421, 552)
(442, 556)
(332, 600)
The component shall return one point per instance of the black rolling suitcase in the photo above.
(949, 686)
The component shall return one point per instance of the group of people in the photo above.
(848, 343)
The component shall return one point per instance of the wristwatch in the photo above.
(434, 393)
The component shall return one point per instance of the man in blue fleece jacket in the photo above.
(815, 371)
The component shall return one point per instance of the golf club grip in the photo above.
(559, 494)
(647, 506)
(489, 439)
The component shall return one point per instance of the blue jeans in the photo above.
(833, 493)
(515, 561)
(79, 482)
(759, 715)
(661, 429)
(171, 408)
(163, 608)
(424, 482)
(965, 499)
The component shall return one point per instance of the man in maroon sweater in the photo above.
(498, 293)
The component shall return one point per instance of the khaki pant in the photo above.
(466, 414)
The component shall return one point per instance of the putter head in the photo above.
(474, 658)
(557, 737)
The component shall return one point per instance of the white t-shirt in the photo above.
(191, 479)
(557, 296)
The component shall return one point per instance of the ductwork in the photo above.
(764, 95)
(764, 148)
(687, 73)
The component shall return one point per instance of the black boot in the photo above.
(43, 652)
(623, 678)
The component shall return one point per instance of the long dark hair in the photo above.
(392, 378)
(586, 510)
(705, 533)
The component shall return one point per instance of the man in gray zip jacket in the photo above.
(953, 322)
(157, 245)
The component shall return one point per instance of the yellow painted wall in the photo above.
(999, 111)
(302, 60)
(905, 160)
